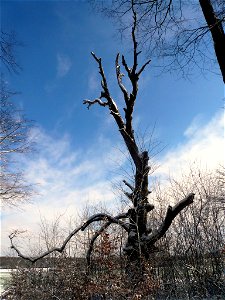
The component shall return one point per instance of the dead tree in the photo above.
(140, 238)
(8, 43)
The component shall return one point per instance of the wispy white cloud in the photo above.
(203, 147)
(64, 65)
(93, 81)
(196, 123)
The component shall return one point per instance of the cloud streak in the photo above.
(64, 65)
(204, 147)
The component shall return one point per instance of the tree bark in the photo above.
(217, 32)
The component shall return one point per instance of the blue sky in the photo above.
(79, 148)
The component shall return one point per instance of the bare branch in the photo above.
(135, 44)
(126, 66)
(98, 59)
(104, 81)
(91, 102)
(143, 67)
(129, 185)
(171, 213)
(119, 76)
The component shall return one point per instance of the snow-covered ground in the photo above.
(4, 275)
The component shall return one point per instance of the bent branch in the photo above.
(94, 218)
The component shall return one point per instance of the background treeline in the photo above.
(188, 263)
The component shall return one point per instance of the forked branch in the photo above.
(106, 94)
(98, 233)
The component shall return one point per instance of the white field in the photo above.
(4, 275)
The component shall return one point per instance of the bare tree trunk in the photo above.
(217, 32)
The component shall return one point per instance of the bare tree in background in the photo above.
(14, 132)
(182, 33)
(14, 141)
(8, 44)
(141, 238)
(193, 250)
(189, 263)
